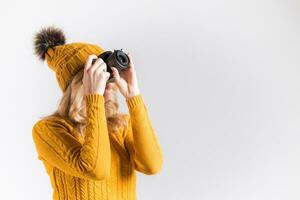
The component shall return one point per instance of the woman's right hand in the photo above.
(95, 75)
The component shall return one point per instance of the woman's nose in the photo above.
(108, 86)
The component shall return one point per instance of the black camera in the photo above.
(117, 59)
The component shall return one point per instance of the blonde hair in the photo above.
(72, 107)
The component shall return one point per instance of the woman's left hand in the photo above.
(126, 80)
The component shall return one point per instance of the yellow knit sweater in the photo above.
(102, 166)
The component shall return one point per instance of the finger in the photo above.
(130, 60)
(116, 74)
(130, 57)
(89, 61)
(98, 71)
(101, 65)
(117, 78)
(106, 75)
(101, 74)
(98, 62)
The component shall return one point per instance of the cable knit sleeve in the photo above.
(140, 138)
(90, 160)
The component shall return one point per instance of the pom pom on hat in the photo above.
(47, 38)
(64, 59)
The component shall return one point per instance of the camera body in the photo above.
(117, 59)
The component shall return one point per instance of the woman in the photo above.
(89, 149)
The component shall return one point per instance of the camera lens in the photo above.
(122, 58)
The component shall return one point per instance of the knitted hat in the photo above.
(64, 59)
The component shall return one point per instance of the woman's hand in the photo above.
(95, 76)
(126, 80)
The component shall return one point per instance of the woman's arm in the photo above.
(140, 138)
(90, 160)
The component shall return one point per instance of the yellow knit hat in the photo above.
(64, 59)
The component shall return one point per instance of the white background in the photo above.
(220, 79)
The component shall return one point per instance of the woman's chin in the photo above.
(107, 98)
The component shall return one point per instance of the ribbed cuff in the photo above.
(94, 98)
(134, 101)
